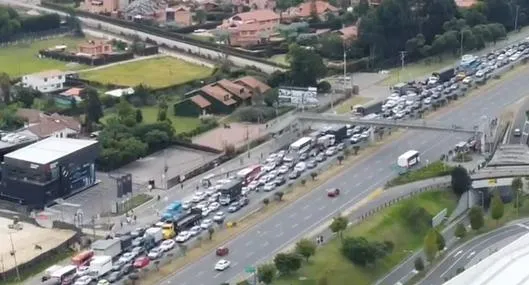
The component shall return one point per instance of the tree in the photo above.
(266, 201)
(211, 231)
(356, 148)
(93, 109)
(440, 241)
(142, 93)
(125, 111)
(460, 231)
(431, 246)
(340, 159)
(419, 264)
(266, 273)
(313, 175)
(306, 248)
(279, 195)
(517, 185)
(162, 115)
(476, 218)
(139, 116)
(26, 96)
(460, 180)
(5, 88)
(200, 16)
(496, 207)
(362, 252)
(306, 66)
(338, 225)
(287, 263)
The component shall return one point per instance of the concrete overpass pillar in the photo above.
(372, 134)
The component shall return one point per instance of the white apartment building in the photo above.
(46, 81)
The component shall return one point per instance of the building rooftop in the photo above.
(234, 88)
(510, 155)
(200, 101)
(47, 73)
(218, 93)
(253, 83)
(506, 266)
(256, 15)
(49, 150)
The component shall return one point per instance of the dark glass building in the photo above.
(49, 169)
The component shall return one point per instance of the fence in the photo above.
(31, 37)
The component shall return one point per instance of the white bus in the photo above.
(301, 144)
(65, 275)
(409, 159)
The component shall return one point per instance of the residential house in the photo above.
(250, 28)
(348, 34)
(465, 3)
(254, 4)
(46, 81)
(193, 107)
(180, 15)
(95, 47)
(240, 93)
(306, 10)
(100, 6)
(145, 10)
(254, 85)
(68, 97)
(222, 101)
(42, 125)
(210, 6)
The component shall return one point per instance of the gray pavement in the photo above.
(261, 242)
(518, 122)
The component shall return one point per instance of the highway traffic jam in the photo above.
(219, 198)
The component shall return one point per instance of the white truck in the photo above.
(409, 159)
(156, 234)
(100, 265)
(107, 247)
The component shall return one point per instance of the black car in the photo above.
(280, 180)
(293, 175)
(234, 207)
(303, 156)
(114, 276)
(244, 201)
(127, 268)
(138, 241)
(311, 164)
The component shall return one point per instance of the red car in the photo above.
(333, 192)
(141, 262)
(222, 251)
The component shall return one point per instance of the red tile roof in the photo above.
(69, 122)
(218, 93)
(350, 32)
(234, 88)
(465, 3)
(257, 15)
(31, 115)
(200, 101)
(253, 83)
(73, 92)
(322, 7)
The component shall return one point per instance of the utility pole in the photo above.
(344, 65)
(516, 17)
(402, 62)
(14, 254)
(461, 43)
(165, 169)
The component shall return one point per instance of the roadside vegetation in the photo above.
(156, 73)
(368, 250)
(39, 267)
(434, 169)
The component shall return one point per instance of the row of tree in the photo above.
(11, 23)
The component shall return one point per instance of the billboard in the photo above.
(298, 96)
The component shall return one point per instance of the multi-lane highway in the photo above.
(262, 242)
(518, 123)
(477, 248)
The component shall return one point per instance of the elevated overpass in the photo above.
(423, 125)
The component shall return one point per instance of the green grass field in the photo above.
(434, 169)
(22, 58)
(385, 225)
(280, 58)
(150, 114)
(423, 67)
(155, 73)
(345, 106)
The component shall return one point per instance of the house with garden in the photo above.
(250, 28)
(45, 81)
(306, 10)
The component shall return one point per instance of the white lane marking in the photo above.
(377, 161)
(216, 275)
(523, 226)
(458, 253)
(305, 207)
(307, 217)
(200, 273)
(471, 254)
(279, 235)
(249, 254)
(358, 184)
(234, 264)
(370, 177)
(277, 225)
(291, 216)
(321, 208)
(248, 243)
(380, 169)
(294, 225)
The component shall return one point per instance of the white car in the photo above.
(127, 257)
(467, 80)
(84, 280)
(155, 253)
(283, 169)
(183, 236)
(206, 212)
(195, 230)
(269, 167)
(83, 270)
(253, 185)
(219, 216)
(300, 167)
(211, 191)
(263, 180)
(167, 245)
(214, 206)
(199, 196)
(186, 205)
(269, 187)
(222, 265)
(103, 282)
(214, 197)
(202, 205)
(330, 151)
(427, 101)
(206, 224)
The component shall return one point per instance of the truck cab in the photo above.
(168, 230)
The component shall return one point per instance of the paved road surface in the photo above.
(262, 241)
(518, 122)
(465, 255)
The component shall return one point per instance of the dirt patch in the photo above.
(237, 134)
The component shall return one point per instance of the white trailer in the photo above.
(155, 233)
(110, 247)
(409, 159)
(100, 265)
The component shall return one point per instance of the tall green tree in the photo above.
(496, 207)
(5, 87)
(306, 248)
(93, 107)
(287, 263)
(476, 218)
(440, 240)
(460, 231)
(430, 245)
(460, 180)
(517, 186)
(338, 225)
(306, 66)
(266, 273)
